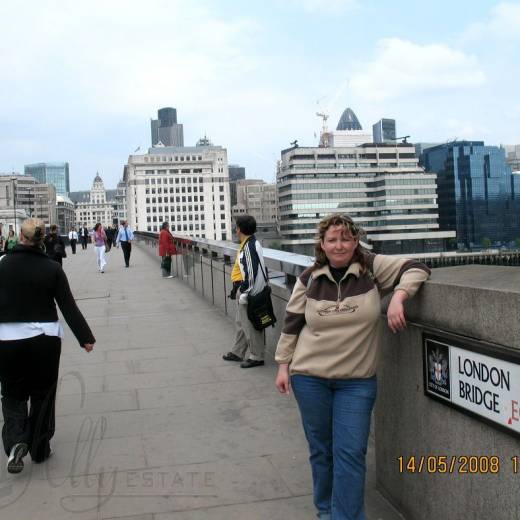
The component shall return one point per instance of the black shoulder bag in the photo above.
(260, 307)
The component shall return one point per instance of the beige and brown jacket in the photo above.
(331, 329)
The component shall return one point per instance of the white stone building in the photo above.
(96, 209)
(186, 186)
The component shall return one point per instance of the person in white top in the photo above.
(73, 239)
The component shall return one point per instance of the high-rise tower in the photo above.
(165, 128)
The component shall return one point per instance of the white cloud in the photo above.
(326, 6)
(401, 68)
(503, 24)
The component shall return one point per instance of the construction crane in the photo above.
(404, 139)
(324, 137)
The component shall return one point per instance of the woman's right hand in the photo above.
(283, 382)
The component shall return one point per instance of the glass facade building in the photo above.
(479, 197)
(384, 131)
(55, 173)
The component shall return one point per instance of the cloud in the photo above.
(401, 68)
(116, 58)
(326, 6)
(503, 24)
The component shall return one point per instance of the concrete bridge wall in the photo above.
(477, 302)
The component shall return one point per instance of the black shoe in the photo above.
(15, 460)
(48, 456)
(250, 363)
(231, 357)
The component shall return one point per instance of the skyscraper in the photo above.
(236, 173)
(165, 128)
(349, 121)
(478, 195)
(55, 173)
(384, 131)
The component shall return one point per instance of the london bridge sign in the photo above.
(475, 377)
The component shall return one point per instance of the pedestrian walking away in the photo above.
(125, 237)
(73, 239)
(110, 232)
(84, 236)
(327, 354)
(166, 250)
(54, 245)
(247, 278)
(99, 239)
(30, 344)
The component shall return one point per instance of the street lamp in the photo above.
(13, 179)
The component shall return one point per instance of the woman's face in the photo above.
(339, 245)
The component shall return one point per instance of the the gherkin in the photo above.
(349, 121)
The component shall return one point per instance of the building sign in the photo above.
(474, 377)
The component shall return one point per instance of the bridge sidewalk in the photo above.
(154, 425)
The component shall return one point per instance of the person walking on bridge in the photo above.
(30, 344)
(327, 353)
(99, 238)
(125, 237)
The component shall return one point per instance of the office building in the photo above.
(55, 173)
(165, 129)
(236, 173)
(381, 186)
(23, 192)
(120, 202)
(479, 197)
(186, 186)
(65, 214)
(257, 198)
(384, 131)
(97, 208)
(349, 121)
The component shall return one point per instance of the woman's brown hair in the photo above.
(340, 219)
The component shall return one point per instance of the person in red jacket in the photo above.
(166, 250)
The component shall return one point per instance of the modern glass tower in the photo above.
(384, 131)
(478, 195)
(55, 173)
(165, 128)
(349, 121)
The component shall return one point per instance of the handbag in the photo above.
(166, 263)
(260, 306)
(60, 250)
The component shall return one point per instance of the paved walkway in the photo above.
(154, 425)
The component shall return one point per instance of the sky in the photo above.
(81, 80)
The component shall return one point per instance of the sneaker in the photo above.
(250, 363)
(15, 460)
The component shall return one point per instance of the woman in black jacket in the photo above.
(30, 344)
(54, 245)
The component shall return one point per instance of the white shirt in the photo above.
(12, 331)
(73, 235)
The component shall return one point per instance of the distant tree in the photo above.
(486, 243)
(275, 244)
(517, 242)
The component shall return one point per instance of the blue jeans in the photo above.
(336, 418)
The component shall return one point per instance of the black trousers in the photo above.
(127, 249)
(29, 372)
(83, 242)
(73, 246)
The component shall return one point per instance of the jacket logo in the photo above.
(337, 309)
